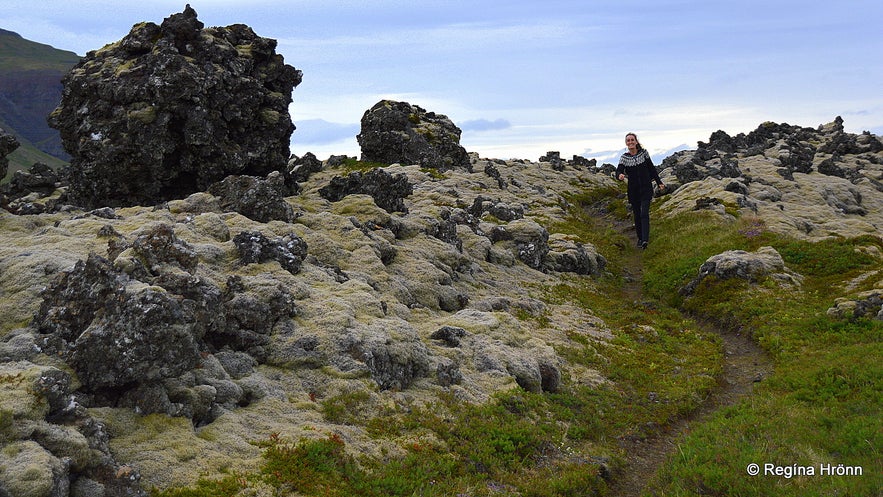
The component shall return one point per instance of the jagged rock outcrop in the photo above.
(571, 256)
(300, 168)
(388, 191)
(553, 158)
(398, 132)
(804, 182)
(254, 247)
(136, 330)
(500, 210)
(8, 144)
(529, 238)
(261, 199)
(32, 191)
(172, 108)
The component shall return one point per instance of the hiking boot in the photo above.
(643, 245)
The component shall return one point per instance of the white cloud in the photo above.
(484, 125)
(567, 76)
(321, 132)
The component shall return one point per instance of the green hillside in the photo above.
(25, 156)
(30, 88)
(18, 54)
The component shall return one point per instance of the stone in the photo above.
(445, 229)
(387, 190)
(500, 210)
(127, 336)
(392, 353)
(553, 158)
(34, 184)
(173, 108)
(160, 245)
(8, 144)
(579, 161)
(866, 304)
(494, 173)
(301, 168)
(568, 256)
(289, 251)
(531, 241)
(748, 266)
(450, 335)
(448, 373)
(146, 337)
(398, 132)
(256, 198)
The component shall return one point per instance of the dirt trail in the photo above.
(745, 364)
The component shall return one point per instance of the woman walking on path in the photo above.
(638, 168)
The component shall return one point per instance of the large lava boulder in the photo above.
(398, 132)
(170, 109)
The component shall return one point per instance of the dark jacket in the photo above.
(641, 173)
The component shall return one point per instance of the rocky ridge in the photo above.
(810, 183)
(214, 317)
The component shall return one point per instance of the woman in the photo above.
(638, 168)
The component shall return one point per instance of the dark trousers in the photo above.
(641, 211)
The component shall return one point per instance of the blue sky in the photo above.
(521, 78)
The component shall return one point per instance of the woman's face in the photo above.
(631, 142)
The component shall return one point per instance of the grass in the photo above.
(821, 406)
(23, 157)
(18, 54)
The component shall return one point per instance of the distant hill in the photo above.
(30, 88)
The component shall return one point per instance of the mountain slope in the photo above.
(30, 88)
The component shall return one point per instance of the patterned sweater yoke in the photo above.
(629, 160)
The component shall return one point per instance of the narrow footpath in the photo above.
(745, 364)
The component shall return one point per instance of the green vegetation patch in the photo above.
(818, 416)
(350, 165)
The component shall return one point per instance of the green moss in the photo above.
(822, 404)
(434, 173)
(270, 116)
(145, 115)
(351, 165)
(426, 133)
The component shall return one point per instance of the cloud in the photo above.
(602, 156)
(484, 125)
(320, 131)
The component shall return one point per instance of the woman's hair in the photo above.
(640, 147)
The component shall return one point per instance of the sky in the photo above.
(524, 77)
